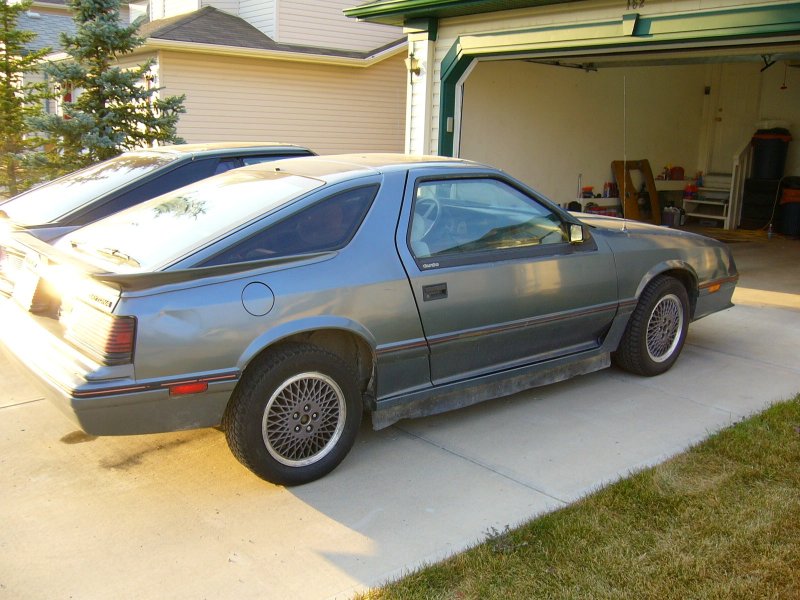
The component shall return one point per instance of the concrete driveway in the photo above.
(175, 516)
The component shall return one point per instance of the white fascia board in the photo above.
(50, 6)
(155, 44)
(54, 57)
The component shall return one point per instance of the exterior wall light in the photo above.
(413, 65)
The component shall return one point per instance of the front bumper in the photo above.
(714, 296)
(105, 400)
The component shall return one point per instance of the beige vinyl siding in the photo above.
(330, 109)
(228, 6)
(129, 61)
(322, 23)
(260, 14)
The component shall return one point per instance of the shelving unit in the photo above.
(711, 204)
(671, 189)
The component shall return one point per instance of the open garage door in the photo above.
(551, 102)
(557, 123)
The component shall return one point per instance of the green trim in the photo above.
(433, 29)
(454, 65)
(398, 12)
(430, 26)
(629, 22)
(626, 32)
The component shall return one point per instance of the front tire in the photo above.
(295, 415)
(656, 332)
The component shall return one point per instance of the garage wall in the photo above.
(546, 124)
(330, 109)
(784, 105)
(507, 20)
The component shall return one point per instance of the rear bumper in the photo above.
(112, 405)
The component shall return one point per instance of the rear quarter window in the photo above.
(329, 224)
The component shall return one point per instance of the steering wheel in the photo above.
(429, 210)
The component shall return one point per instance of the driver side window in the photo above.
(450, 218)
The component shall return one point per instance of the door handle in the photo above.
(435, 291)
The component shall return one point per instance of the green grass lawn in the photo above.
(719, 521)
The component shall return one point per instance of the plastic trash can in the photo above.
(790, 207)
(770, 147)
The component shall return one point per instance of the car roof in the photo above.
(335, 167)
(227, 148)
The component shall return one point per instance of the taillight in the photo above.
(108, 338)
(119, 340)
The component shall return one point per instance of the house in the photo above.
(553, 91)
(295, 71)
(256, 70)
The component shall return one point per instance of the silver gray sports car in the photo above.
(285, 299)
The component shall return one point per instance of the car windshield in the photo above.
(51, 201)
(153, 234)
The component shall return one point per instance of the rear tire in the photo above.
(656, 332)
(295, 415)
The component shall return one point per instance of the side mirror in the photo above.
(575, 233)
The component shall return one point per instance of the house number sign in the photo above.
(634, 4)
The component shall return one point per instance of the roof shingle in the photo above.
(212, 26)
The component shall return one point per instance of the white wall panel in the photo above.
(163, 9)
(228, 6)
(260, 14)
(322, 23)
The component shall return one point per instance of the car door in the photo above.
(496, 280)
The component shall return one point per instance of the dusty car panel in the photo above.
(404, 285)
(704, 261)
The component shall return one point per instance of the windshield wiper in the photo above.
(119, 255)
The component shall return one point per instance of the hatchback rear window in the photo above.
(155, 233)
(51, 201)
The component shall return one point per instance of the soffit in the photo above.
(398, 12)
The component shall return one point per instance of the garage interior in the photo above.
(725, 114)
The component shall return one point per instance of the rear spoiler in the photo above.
(143, 281)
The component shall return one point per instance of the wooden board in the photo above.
(630, 198)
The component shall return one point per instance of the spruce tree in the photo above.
(21, 97)
(109, 109)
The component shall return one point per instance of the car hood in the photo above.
(611, 227)
(708, 259)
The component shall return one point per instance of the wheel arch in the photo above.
(344, 338)
(679, 270)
